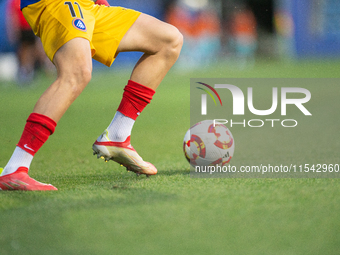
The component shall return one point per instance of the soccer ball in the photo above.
(206, 144)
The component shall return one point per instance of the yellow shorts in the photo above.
(57, 22)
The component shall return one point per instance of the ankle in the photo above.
(120, 128)
(20, 158)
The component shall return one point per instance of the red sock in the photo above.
(135, 98)
(36, 132)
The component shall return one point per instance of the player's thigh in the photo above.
(149, 35)
(73, 58)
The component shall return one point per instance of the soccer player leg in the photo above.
(74, 66)
(66, 40)
(161, 44)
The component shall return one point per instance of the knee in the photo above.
(84, 76)
(177, 41)
(81, 76)
(77, 79)
(174, 42)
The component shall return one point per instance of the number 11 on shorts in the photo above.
(72, 11)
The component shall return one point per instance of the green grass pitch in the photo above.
(102, 209)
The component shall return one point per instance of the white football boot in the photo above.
(122, 153)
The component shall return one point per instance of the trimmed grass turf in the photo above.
(102, 209)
